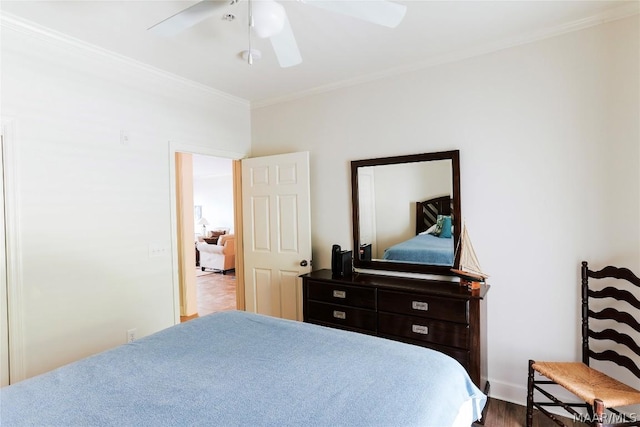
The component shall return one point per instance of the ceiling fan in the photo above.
(268, 19)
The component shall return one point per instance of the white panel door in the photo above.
(277, 232)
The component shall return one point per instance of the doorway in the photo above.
(206, 216)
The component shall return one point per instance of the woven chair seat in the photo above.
(588, 383)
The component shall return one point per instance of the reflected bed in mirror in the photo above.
(406, 212)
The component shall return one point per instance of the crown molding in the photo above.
(631, 8)
(23, 26)
(28, 28)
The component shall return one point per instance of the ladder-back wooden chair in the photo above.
(600, 394)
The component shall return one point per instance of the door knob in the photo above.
(303, 263)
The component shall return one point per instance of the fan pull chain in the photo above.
(250, 54)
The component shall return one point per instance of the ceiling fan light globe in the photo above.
(268, 18)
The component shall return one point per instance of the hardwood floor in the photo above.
(506, 414)
(215, 292)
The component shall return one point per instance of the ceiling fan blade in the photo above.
(381, 12)
(285, 46)
(187, 18)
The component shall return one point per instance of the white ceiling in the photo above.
(336, 49)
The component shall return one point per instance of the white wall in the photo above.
(550, 160)
(89, 207)
(215, 195)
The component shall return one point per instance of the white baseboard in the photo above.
(514, 393)
(517, 393)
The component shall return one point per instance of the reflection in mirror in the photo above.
(391, 214)
(407, 212)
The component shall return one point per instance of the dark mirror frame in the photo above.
(454, 156)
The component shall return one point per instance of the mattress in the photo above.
(423, 248)
(242, 369)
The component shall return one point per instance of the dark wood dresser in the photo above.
(430, 313)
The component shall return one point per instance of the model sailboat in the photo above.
(469, 269)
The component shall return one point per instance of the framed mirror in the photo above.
(406, 212)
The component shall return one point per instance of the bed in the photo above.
(426, 248)
(241, 369)
(423, 248)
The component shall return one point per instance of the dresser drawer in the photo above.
(340, 315)
(426, 330)
(423, 306)
(461, 355)
(342, 294)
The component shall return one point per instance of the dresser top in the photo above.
(405, 284)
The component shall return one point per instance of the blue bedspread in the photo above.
(240, 369)
(423, 248)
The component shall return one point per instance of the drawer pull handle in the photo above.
(419, 305)
(419, 329)
(339, 314)
(339, 294)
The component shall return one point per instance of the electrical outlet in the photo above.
(131, 335)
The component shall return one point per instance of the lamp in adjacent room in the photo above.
(203, 222)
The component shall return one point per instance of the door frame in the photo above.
(13, 279)
(177, 147)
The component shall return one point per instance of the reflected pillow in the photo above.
(429, 230)
(437, 227)
(442, 228)
(446, 229)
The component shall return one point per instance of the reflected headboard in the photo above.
(427, 211)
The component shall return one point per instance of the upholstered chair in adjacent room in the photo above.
(220, 256)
